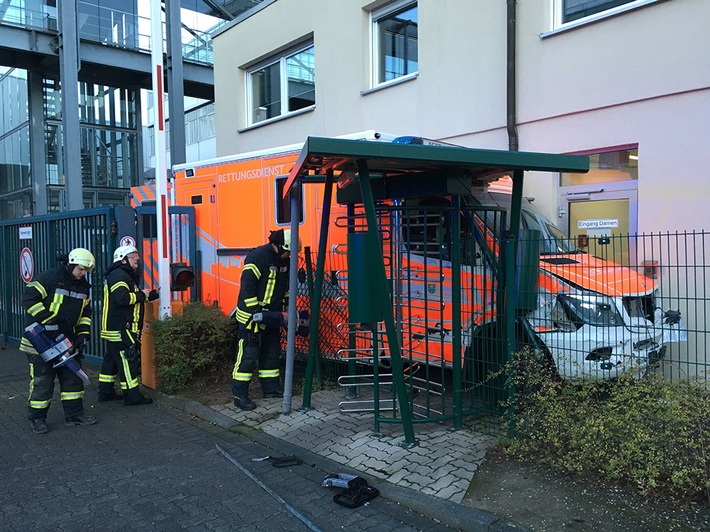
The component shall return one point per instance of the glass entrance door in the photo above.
(602, 226)
(599, 209)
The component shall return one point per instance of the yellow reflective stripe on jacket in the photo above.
(270, 285)
(36, 308)
(252, 268)
(56, 302)
(111, 336)
(104, 311)
(136, 316)
(37, 286)
(120, 284)
(84, 321)
(242, 317)
(252, 301)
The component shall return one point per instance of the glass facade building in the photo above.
(113, 112)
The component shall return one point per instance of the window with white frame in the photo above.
(572, 10)
(281, 85)
(395, 41)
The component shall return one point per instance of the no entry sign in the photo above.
(27, 265)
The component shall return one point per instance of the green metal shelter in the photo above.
(392, 171)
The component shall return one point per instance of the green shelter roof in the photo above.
(430, 163)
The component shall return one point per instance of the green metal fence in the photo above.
(418, 243)
(625, 303)
(32, 245)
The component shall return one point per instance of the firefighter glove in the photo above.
(80, 344)
(304, 323)
(672, 316)
(133, 352)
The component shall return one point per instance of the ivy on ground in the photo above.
(193, 347)
(638, 430)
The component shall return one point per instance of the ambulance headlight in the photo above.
(591, 309)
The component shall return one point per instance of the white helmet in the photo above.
(122, 251)
(82, 257)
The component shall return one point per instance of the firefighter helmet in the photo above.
(122, 251)
(82, 257)
(287, 241)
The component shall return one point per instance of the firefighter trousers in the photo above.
(108, 375)
(264, 348)
(127, 365)
(42, 375)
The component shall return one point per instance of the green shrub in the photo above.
(645, 431)
(193, 347)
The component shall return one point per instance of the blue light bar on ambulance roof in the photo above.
(421, 141)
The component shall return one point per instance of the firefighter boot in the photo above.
(134, 397)
(79, 419)
(39, 426)
(276, 393)
(241, 395)
(271, 388)
(110, 397)
(244, 403)
(142, 400)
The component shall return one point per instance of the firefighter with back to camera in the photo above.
(263, 293)
(59, 300)
(121, 324)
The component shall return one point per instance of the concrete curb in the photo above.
(448, 513)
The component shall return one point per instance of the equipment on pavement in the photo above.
(356, 493)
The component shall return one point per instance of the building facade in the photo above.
(625, 81)
(75, 78)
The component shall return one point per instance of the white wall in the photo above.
(459, 88)
(641, 77)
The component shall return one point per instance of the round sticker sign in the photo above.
(27, 265)
(128, 241)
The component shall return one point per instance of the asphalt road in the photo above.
(158, 468)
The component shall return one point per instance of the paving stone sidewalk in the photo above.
(161, 467)
(441, 464)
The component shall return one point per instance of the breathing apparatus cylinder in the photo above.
(58, 352)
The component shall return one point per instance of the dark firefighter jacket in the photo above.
(123, 304)
(59, 302)
(264, 284)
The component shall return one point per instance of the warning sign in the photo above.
(27, 265)
(128, 241)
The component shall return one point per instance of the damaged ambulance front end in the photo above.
(599, 319)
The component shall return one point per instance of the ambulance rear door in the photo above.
(199, 191)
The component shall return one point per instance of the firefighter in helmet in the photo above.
(264, 289)
(121, 324)
(60, 300)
